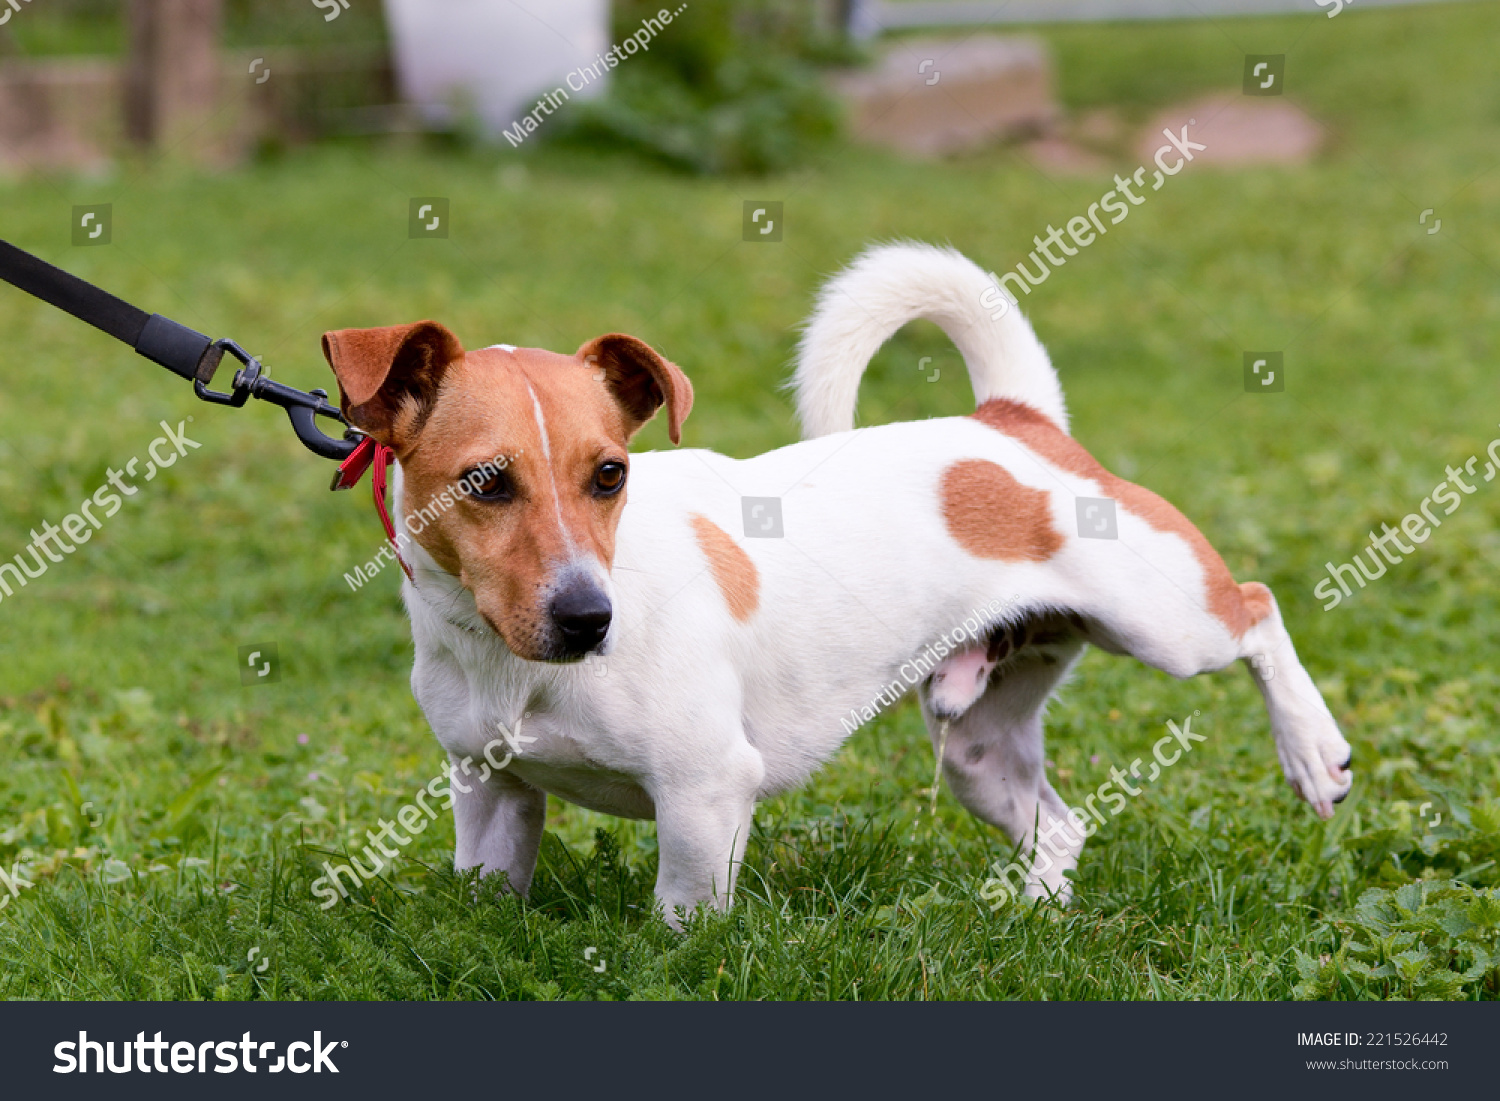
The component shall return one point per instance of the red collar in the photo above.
(370, 453)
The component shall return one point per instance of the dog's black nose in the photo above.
(582, 614)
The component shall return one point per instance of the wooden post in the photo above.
(172, 74)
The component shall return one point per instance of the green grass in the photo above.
(208, 817)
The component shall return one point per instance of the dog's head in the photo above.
(515, 464)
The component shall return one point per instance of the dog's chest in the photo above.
(530, 727)
(558, 764)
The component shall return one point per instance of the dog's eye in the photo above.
(609, 478)
(488, 486)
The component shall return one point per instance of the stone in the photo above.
(1057, 155)
(1239, 131)
(932, 97)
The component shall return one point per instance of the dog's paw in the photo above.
(1317, 767)
(1058, 891)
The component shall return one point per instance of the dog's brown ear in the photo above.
(389, 376)
(641, 380)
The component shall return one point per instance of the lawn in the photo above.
(171, 821)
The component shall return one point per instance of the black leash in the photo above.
(179, 349)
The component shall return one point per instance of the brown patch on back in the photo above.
(992, 515)
(736, 575)
(1033, 428)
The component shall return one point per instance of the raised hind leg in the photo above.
(1154, 626)
(995, 764)
(994, 759)
(1314, 755)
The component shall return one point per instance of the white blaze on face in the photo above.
(541, 427)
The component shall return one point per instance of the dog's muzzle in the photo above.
(581, 613)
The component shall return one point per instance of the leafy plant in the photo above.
(730, 86)
(1465, 844)
(1427, 939)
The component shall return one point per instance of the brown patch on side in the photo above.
(1257, 600)
(1034, 429)
(992, 515)
(736, 575)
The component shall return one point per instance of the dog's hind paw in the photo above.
(1317, 767)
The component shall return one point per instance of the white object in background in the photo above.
(496, 57)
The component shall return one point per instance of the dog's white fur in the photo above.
(697, 716)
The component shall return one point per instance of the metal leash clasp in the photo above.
(303, 408)
(243, 378)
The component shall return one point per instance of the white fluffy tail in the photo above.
(859, 309)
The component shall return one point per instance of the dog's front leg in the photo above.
(702, 826)
(497, 822)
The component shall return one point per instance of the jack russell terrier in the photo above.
(729, 662)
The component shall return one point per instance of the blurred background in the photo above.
(86, 81)
(268, 171)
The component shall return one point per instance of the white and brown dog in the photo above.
(730, 662)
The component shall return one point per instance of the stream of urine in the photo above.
(937, 780)
(937, 772)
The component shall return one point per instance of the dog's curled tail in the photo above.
(859, 309)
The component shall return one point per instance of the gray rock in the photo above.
(936, 96)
